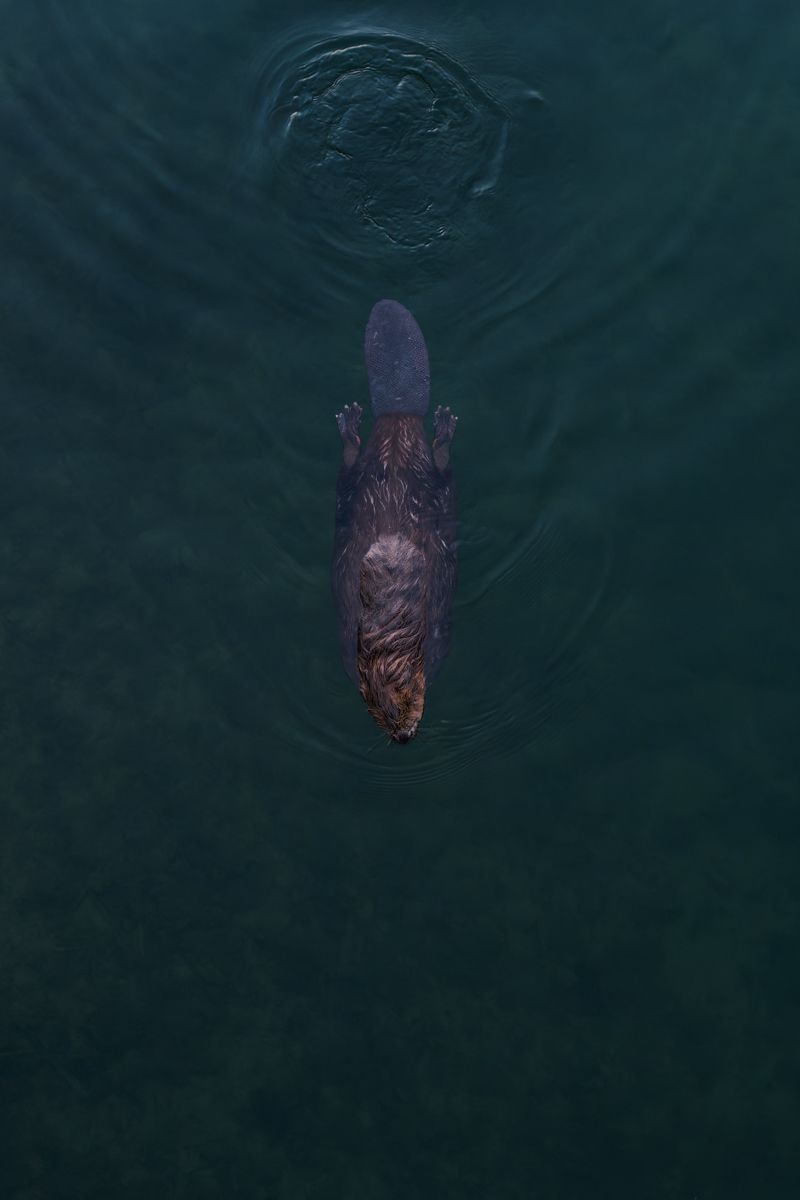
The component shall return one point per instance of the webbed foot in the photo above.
(444, 428)
(348, 421)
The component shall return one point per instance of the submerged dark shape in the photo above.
(394, 564)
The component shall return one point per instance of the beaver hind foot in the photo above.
(391, 635)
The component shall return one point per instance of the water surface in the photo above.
(549, 948)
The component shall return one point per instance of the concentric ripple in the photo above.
(507, 683)
(390, 135)
(218, 321)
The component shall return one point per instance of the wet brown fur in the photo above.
(391, 633)
(394, 567)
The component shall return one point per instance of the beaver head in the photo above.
(391, 635)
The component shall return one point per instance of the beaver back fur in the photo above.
(394, 567)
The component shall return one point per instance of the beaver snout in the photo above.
(404, 735)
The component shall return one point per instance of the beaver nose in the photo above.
(404, 735)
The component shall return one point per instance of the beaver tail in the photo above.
(397, 361)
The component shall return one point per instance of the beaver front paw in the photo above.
(349, 420)
(444, 428)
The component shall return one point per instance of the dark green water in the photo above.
(549, 950)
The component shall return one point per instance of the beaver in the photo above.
(394, 562)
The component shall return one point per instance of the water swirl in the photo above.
(391, 136)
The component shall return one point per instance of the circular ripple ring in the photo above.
(386, 132)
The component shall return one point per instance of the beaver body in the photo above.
(394, 565)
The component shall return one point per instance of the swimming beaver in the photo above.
(394, 563)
